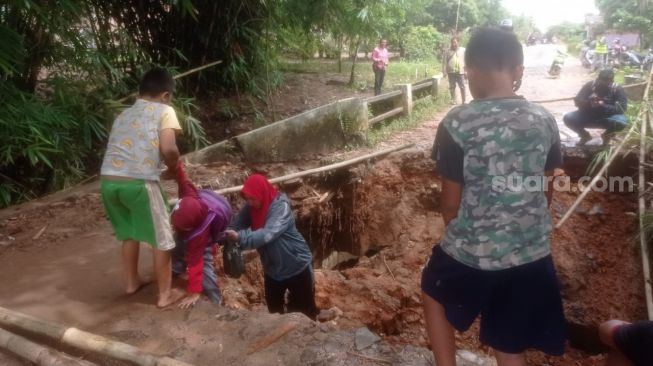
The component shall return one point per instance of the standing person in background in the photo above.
(600, 53)
(456, 69)
(379, 63)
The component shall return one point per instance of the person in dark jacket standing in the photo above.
(266, 223)
(601, 104)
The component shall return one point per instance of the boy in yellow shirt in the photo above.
(141, 138)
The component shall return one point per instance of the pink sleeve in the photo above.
(375, 55)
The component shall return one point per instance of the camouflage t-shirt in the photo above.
(498, 150)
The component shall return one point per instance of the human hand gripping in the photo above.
(232, 235)
(190, 300)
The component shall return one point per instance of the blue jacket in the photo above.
(283, 250)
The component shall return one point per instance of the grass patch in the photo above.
(398, 71)
(423, 109)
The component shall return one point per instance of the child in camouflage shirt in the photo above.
(494, 260)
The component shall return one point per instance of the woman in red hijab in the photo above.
(266, 223)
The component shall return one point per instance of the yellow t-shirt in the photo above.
(133, 148)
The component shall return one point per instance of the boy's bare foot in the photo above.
(135, 287)
(169, 298)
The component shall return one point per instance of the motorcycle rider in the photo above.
(601, 104)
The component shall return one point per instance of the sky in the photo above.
(550, 12)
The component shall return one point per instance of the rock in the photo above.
(326, 315)
(321, 336)
(365, 338)
(597, 209)
(467, 358)
(581, 210)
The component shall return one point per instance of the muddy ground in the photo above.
(384, 214)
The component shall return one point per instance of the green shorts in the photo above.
(138, 211)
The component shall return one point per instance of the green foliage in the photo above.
(629, 16)
(12, 51)
(421, 42)
(572, 34)
(63, 64)
(44, 145)
(473, 13)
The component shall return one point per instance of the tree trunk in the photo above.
(352, 75)
(339, 54)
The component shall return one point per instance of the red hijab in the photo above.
(258, 187)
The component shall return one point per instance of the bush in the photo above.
(422, 42)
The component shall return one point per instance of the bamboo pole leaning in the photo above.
(642, 115)
(178, 76)
(646, 266)
(323, 169)
(84, 340)
(36, 353)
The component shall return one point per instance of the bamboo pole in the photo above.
(36, 353)
(178, 76)
(644, 109)
(322, 169)
(646, 266)
(572, 98)
(84, 340)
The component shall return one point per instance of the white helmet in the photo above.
(506, 24)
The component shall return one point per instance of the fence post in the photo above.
(406, 99)
(435, 87)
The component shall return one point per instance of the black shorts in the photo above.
(520, 307)
(635, 341)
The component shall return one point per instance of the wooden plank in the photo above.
(383, 97)
(386, 115)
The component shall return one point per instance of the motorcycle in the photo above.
(587, 57)
(558, 62)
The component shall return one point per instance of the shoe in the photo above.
(584, 138)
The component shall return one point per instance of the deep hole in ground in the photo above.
(372, 228)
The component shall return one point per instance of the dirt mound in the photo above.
(385, 217)
(372, 228)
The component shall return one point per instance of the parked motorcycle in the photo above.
(587, 57)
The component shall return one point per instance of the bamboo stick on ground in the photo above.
(323, 169)
(646, 265)
(36, 353)
(274, 336)
(84, 340)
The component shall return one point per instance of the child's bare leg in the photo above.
(440, 332)
(130, 253)
(510, 359)
(163, 271)
(130, 250)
